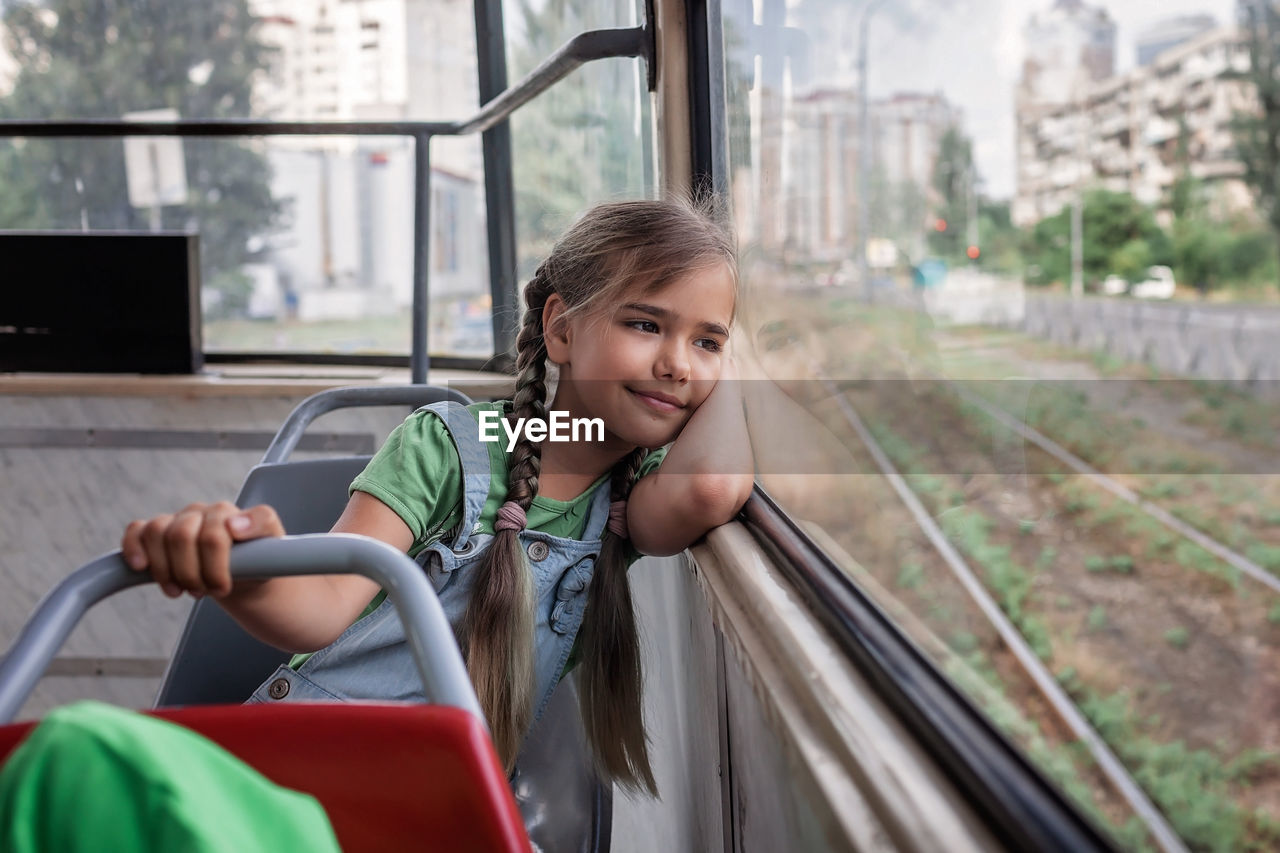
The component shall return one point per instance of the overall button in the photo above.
(538, 551)
(278, 688)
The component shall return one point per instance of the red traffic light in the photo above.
(940, 224)
(973, 253)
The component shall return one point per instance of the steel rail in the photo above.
(1009, 793)
(1067, 710)
(1057, 451)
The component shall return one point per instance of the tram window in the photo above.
(306, 242)
(1076, 430)
(584, 141)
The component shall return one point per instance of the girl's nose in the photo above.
(672, 362)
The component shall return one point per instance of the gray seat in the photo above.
(565, 807)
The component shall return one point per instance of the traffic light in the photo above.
(940, 225)
(973, 252)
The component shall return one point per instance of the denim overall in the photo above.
(371, 659)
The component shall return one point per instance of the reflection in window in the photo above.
(985, 287)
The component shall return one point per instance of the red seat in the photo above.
(391, 777)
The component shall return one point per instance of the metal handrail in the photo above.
(427, 630)
(290, 432)
(581, 49)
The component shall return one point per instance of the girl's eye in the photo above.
(643, 325)
(709, 344)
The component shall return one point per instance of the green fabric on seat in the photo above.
(92, 777)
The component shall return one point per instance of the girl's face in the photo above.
(645, 368)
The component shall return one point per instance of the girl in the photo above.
(528, 549)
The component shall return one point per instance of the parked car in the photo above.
(1158, 284)
(1114, 285)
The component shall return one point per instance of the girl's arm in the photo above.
(190, 551)
(709, 476)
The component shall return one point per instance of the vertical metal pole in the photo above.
(499, 183)
(864, 154)
(1077, 246)
(418, 359)
(1077, 203)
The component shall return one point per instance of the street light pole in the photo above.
(1077, 201)
(864, 152)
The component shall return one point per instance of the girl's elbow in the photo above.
(719, 497)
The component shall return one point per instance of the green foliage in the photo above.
(1010, 582)
(1257, 135)
(1097, 618)
(1210, 254)
(1273, 615)
(1131, 260)
(998, 238)
(1194, 788)
(101, 60)
(897, 211)
(911, 574)
(954, 182)
(1123, 564)
(1118, 231)
(578, 143)
(1177, 637)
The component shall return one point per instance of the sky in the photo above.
(972, 51)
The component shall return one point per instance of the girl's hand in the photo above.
(191, 549)
(707, 476)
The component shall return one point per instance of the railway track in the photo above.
(1062, 706)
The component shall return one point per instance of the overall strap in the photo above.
(474, 459)
(598, 515)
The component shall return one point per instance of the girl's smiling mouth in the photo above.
(658, 401)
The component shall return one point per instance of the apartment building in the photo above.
(820, 163)
(347, 250)
(1136, 132)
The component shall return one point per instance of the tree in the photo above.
(999, 239)
(1257, 135)
(95, 59)
(1119, 232)
(954, 181)
(577, 143)
(897, 211)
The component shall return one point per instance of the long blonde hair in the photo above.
(613, 249)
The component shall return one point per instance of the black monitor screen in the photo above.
(99, 302)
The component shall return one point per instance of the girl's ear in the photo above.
(556, 330)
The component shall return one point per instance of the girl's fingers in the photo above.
(155, 556)
(255, 523)
(191, 550)
(180, 540)
(135, 556)
(214, 546)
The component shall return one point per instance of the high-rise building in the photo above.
(1170, 32)
(348, 249)
(1140, 131)
(1070, 44)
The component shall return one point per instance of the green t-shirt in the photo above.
(418, 475)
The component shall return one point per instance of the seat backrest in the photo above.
(216, 660)
(390, 777)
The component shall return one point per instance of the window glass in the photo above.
(306, 242)
(1012, 267)
(588, 139)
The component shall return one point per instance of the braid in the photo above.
(530, 399)
(612, 682)
(498, 625)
